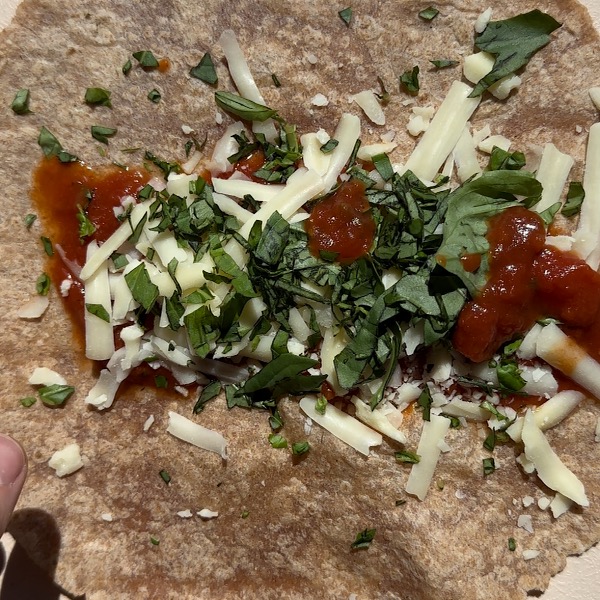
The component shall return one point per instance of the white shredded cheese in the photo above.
(45, 376)
(66, 461)
(193, 433)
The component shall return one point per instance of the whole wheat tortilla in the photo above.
(295, 540)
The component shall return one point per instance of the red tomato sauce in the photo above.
(528, 281)
(342, 223)
(58, 190)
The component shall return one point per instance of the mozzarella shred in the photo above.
(371, 106)
(343, 426)
(197, 435)
(421, 473)
(465, 156)
(552, 173)
(66, 461)
(549, 414)
(564, 354)
(443, 132)
(587, 234)
(46, 376)
(550, 469)
(377, 420)
(347, 134)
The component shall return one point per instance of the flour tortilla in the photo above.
(295, 540)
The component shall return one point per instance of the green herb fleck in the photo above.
(98, 97)
(245, 514)
(99, 311)
(146, 59)
(384, 166)
(142, 289)
(409, 81)
(28, 401)
(443, 63)
(346, 15)
(86, 227)
(102, 134)
(52, 147)
(55, 394)
(209, 392)
(428, 14)
(242, 107)
(277, 440)
(154, 540)
(42, 285)
(405, 456)
(401, 502)
(321, 404)
(20, 103)
(363, 539)
(575, 197)
(48, 249)
(154, 96)
(164, 475)
(29, 220)
(299, 448)
(276, 81)
(126, 67)
(489, 466)
(160, 381)
(512, 544)
(205, 70)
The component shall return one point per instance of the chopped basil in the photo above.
(28, 401)
(146, 59)
(509, 375)
(20, 103)
(48, 249)
(55, 394)
(102, 134)
(99, 311)
(209, 392)
(502, 159)
(489, 466)
(126, 67)
(245, 514)
(154, 540)
(329, 146)
(346, 15)
(425, 401)
(166, 167)
(409, 81)
(513, 42)
(205, 70)
(142, 289)
(363, 539)
(164, 475)
(321, 404)
(384, 97)
(160, 381)
(276, 81)
(52, 147)
(86, 227)
(277, 440)
(384, 166)
(428, 14)
(512, 544)
(242, 107)
(443, 63)
(154, 96)
(487, 405)
(42, 285)
(275, 421)
(120, 261)
(401, 502)
(405, 456)
(299, 448)
(98, 97)
(29, 220)
(575, 197)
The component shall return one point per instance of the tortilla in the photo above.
(300, 517)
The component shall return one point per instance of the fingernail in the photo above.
(12, 460)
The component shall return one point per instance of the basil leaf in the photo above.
(98, 97)
(404, 456)
(55, 394)
(29, 220)
(164, 475)
(20, 103)
(154, 96)
(205, 70)
(363, 539)
(409, 81)
(489, 466)
(48, 249)
(329, 146)
(384, 166)
(126, 67)
(346, 15)
(512, 545)
(509, 375)
(513, 42)
(209, 392)
(443, 63)
(277, 440)
(300, 448)
(425, 401)
(146, 59)
(98, 310)
(86, 227)
(243, 108)
(428, 14)
(102, 134)
(160, 381)
(575, 197)
(52, 147)
(142, 289)
(276, 81)
(501, 159)
(321, 405)
(28, 401)
(42, 285)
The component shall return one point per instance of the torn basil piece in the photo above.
(242, 107)
(363, 539)
(277, 440)
(20, 103)
(144, 292)
(29, 220)
(575, 197)
(42, 285)
(346, 15)
(205, 70)
(55, 394)
(489, 466)
(146, 59)
(99, 311)
(300, 448)
(430, 13)
(52, 147)
(443, 63)
(409, 81)
(97, 96)
(154, 96)
(102, 134)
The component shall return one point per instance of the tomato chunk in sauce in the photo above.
(528, 280)
(342, 223)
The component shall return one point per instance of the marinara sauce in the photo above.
(528, 280)
(342, 223)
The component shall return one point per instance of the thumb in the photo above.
(13, 469)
